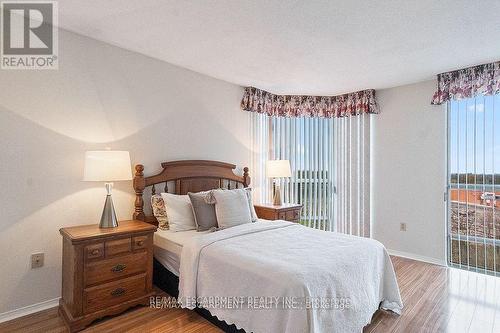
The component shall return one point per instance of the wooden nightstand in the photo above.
(105, 271)
(288, 212)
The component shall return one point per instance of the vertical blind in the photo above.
(260, 141)
(352, 143)
(329, 158)
(308, 144)
(474, 184)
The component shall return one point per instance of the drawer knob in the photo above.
(118, 292)
(140, 243)
(118, 268)
(94, 252)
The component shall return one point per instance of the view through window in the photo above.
(474, 184)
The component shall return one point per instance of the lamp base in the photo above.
(108, 217)
(277, 196)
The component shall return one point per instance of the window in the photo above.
(329, 158)
(308, 144)
(474, 183)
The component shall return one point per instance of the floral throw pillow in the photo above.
(159, 211)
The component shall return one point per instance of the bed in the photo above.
(266, 276)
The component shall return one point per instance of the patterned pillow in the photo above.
(159, 211)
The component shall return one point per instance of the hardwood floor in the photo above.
(441, 299)
(136, 320)
(436, 299)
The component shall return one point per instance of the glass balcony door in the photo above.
(474, 184)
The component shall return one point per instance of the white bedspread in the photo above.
(268, 266)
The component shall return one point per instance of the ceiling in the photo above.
(299, 47)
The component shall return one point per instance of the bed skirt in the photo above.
(169, 283)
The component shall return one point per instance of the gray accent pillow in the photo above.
(204, 213)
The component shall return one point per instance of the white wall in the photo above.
(409, 172)
(101, 96)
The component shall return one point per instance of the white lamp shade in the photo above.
(107, 166)
(278, 169)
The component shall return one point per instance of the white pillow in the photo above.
(253, 213)
(179, 212)
(231, 207)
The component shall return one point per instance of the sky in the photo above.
(474, 131)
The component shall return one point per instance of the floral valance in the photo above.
(256, 100)
(467, 83)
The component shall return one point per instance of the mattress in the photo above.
(168, 247)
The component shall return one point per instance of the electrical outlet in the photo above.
(402, 227)
(37, 260)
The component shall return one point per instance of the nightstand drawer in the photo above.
(292, 215)
(94, 251)
(114, 268)
(101, 297)
(140, 242)
(118, 246)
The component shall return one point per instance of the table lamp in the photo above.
(107, 166)
(278, 169)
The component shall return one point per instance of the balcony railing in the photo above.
(474, 230)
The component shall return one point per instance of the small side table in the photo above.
(105, 271)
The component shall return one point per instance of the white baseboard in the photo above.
(9, 315)
(418, 257)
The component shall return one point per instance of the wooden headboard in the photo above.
(181, 177)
